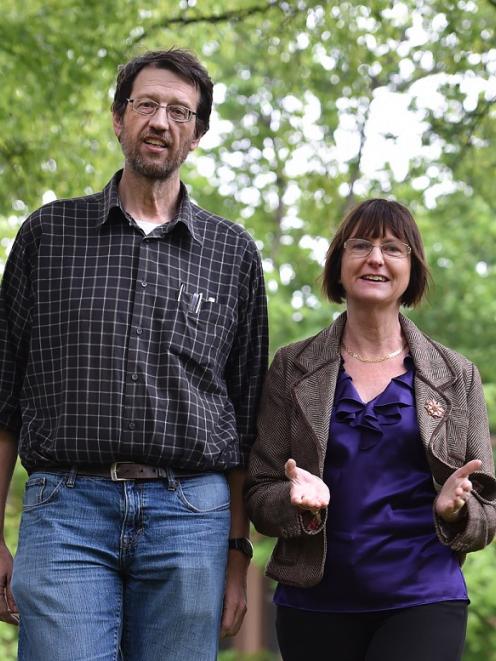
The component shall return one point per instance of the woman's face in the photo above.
(379, 278)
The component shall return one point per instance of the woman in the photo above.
(373, 464)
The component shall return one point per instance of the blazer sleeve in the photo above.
(267, 489)
(478, 524)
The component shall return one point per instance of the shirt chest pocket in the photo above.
(202, 328)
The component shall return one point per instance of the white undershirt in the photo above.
(146, 226)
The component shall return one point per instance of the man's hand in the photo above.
(8, 608)
(455, 492)
(235, 594)
(308, 491)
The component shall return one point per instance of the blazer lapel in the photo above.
(314, 392)
(428, 400)
(433, 377)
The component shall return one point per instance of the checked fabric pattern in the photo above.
(116, 345)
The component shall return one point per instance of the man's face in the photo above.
(156, 146)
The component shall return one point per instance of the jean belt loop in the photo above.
(71, 477)
(171, 479)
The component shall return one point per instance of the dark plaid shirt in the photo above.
(119, 346)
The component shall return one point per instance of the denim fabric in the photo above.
(121, 570)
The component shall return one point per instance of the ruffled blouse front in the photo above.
(382, 549)
(372, 417)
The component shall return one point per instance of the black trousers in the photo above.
(434, 632)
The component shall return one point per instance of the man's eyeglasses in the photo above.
(363, 248)
(148, 107)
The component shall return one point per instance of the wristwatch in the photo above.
(242, 544)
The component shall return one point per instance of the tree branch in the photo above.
(281, 186)
(232, 16)
(474, 119)
(355, 164)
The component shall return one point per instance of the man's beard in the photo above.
(156, 170)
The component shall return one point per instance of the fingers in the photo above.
(290, 469)
(462, 485)
(470, 467)
(310, 499)
(453, 498)
(225, 627)
(232, 619)
(462, 493)
(308, 491)
(464, 489)
(304, 501)
(9, 598)
(297, 499)
(8, 608)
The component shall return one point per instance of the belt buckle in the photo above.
(113, 471)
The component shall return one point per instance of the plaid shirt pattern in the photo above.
(116, 346)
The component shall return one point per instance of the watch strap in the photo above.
(242, 544)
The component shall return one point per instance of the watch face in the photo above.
(247, 547)
(242, 544)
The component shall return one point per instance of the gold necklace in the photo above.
(381, 359)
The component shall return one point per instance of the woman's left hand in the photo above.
(455, 492)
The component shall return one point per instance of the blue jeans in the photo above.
(121, 570)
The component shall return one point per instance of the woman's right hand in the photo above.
(308, 492)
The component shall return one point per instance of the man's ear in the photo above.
(195, 142)
(117, 124)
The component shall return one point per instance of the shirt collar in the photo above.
(185, 212)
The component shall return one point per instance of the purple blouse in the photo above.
(382, 549)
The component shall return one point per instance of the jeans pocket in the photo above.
(205, 493)
(41, 490)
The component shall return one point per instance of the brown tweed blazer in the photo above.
(294, 422)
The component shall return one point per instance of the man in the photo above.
(133, 342)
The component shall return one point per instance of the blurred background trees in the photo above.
(318, 105)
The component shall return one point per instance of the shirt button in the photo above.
(143, 283)
(131, 425)
(139, 331)
(134, 377)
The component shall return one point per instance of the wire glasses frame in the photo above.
(391, 248)
(174, 111)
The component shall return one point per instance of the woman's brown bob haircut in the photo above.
(371, 220)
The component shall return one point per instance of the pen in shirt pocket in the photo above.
(200, 300)
(196, 300)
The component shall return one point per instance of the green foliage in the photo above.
(490, 393)
(291, 145)
(481, 582)
(263, 547)
(285, 155)
(234, 655)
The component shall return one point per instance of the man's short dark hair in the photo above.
(371, 220)
(181, 62)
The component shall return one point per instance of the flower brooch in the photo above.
(434, 408)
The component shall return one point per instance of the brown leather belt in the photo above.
(121, 470)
